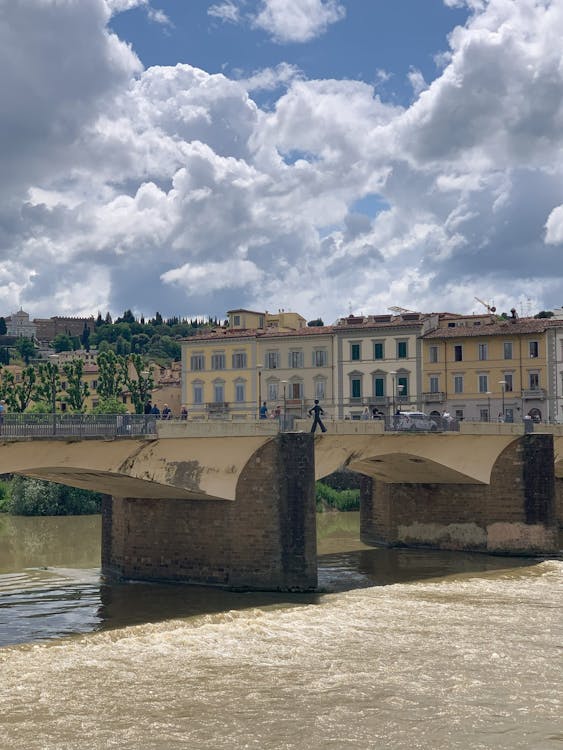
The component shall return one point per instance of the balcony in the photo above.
(434, 397)
(537, 394)
(217, 408)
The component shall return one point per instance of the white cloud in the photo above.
(298, 20)
(554, 227)
(227, 11)
(171, 189)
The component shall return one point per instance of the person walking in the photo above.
(264, 411)
(317, 410)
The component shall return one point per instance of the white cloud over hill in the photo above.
(170, 189)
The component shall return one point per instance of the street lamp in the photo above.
(400, 389)
(393, 374)
(488, 406)
(502, 384)
(259, 368)
(284, 383)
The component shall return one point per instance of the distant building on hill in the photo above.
(49, 328)
(19, 325)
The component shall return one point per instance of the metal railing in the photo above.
(77, 425)
(413, 423)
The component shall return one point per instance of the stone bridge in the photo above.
(233, 505)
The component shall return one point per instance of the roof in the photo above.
(507, 327)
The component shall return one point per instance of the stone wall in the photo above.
(515, 514)
(265, 539)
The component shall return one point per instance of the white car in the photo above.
(414, 420)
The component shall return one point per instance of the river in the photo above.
(400, 649)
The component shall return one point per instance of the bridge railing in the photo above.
(420, 423)
(76, 425)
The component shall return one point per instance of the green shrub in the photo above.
(330, 499)
(4, 496)
(34, 497)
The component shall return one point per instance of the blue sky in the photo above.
(193, 156)
(374, 36)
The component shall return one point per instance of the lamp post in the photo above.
(502, 384)
(400, 389)
(259, 369)
(393, 374)
(488, 406)
(284, 383)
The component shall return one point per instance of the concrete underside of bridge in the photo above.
(516, 513)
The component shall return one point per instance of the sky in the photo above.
(323, 156)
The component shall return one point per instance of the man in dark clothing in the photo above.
(317, 410)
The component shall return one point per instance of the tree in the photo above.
(49, 385)
(127, 317)
(110, 380)
(26, 349)
(110, 406)
(315, 323)
(63, 343)
(85, 337)
(4, 355)
(17, 395)
(544, 314)
(3, 327)
(140, 383)
(76, 389)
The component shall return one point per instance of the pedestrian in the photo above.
(166, 412)
(263, 411)
(184, 412)
(155, 411)
(2, 411)
(276, 414)
(365, 413)
(148, 407)
(317, 410)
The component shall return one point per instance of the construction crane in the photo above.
(490, 308)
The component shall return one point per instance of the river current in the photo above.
(399, 649)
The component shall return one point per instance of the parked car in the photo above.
(414, 420)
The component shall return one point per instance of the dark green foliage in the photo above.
(33, 497)
(4, 355)
(3, 327)
(315, 323)
(329, 499)
(85, 337)
(343, 480)
(26, 349)
(544, 314)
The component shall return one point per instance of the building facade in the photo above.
(483, 368)
(19, 324)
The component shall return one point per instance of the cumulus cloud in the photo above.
(298, 20)
(171, 189)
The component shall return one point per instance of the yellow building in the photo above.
(484, 368)
(258, 357)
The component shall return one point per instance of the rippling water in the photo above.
(406, 649)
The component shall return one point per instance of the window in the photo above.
(320, 389)
(272, 360)
(458, 383)
(433, 354)
(403, 385)
(508, 385)
(197, 362)
(378, 386)
(458, 353)
(320, 358)
(198, 394)
(434, 384)
(239, 360)
(94, 385)
(236, 320)
(356, 387)
(459, 415)
(217, 361)
(273, 390)
(508, 349)
(482, 351)
(296, 359)
(296, 390)
(355, 352)
(534, 349)
(483, 383)
(509, 414)
(483, 415)
(239, 392)
(378, 350)
(218, 393)
(402, 352)
(534, 380)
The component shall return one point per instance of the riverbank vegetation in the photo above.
(23, 496)
(329, 499)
